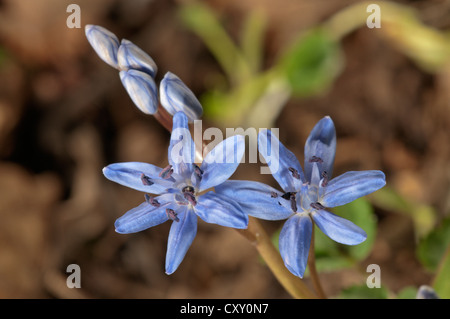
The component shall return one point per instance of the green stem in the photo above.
(256, 234)
(313, 270)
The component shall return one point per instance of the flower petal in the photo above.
(130, 174)
(182, 148)
(130, 56)
(294, 242)
(221, 162)
(144, 216)
(218, 209)
(352, 185)
(142, 90)
(104, 43)
(320, 148)
(339, 229)
(256, 199)
(181, 235)
(282, 163)
(176, 96)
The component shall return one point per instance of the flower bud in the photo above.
(130, 56)
(104, 42)
(142, 90)
(176, 96)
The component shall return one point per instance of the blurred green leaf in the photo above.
(201, 20)
(363, 292)
(423, 216)
(432, 247)
(312, 63)
(252, 39)
(360, 212)
(441, 283)
(407, 293)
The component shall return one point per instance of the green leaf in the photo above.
(363, 292)
(423, 216)
(433, 246)
(407, 293)
(312, 64)
(441, 283)
(360, 212)
(202, 20)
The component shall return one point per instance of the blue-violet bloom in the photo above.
(130, 56)
(306, 195)
(175, 96)
(142, 90)
(137, 68)
(104, 43)
(181, 190)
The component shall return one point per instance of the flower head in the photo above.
(306, 195)
(181, 190)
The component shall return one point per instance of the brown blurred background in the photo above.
(64, 115)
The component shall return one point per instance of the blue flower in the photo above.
(142, 90)
(306, 195)
(130, 56)
(181, 190)
(104, 43)
(176, 96)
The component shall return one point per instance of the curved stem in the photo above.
(295, 286)
(312, 268)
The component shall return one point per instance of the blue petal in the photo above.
(130, 56)
(294, 242)
(144, 216)
(181, 235)
(176, 96)
(104, 43)
(130, 175)
(142, 90)
(218, 209)
(339, 229)
(221, 162)
(256, 199)
(321, 144)
(280, 161)
(182, 148)
(352, 185)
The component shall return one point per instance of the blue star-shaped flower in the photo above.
(306, 194)
(181, 190)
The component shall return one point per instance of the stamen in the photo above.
(324, 179)
(190, 198)
(188, 189)
(294, 172)
(291, 197)
(166, 172)
(198, 171)
(151, 200)
(293, 204)
(288, 195)
(172, 215)
(273, 195)
(317, 206)
(315, 159)
(188, 193)
(146, 180)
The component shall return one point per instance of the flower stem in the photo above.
(164, 118)
(256, 234)
(312, 269)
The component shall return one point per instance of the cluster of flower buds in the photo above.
(137, 72)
